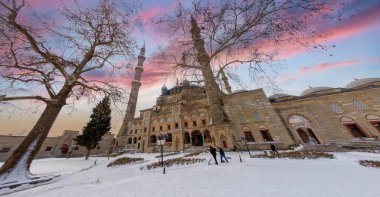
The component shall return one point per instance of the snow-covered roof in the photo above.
(361, 82)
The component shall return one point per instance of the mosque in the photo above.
(320, 116)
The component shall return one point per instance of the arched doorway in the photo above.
(196, 138)
(186, 138)
(303, 129)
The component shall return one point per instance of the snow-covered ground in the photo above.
(254, 177)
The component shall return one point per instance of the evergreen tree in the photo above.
(99, 124)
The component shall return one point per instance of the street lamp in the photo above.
(161, 142)
(246, 145)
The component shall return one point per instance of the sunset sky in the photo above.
(356, 55)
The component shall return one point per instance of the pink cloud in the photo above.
(333, 65)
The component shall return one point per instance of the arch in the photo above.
(303, 135)
(248, 134)
(303, 129)
(129, 141)
(374, 120)
(256, 116)
(297, 119)
(186, 138)
(134, 140)
(207, 136)
(353, 127)
(196, 138)
(153, 139)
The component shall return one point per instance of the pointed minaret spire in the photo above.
(131, 108)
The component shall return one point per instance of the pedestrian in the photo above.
(222, 155)
(213, 153)
(273, 148)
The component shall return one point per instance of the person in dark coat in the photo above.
(222, 155)
(213, 153)
(273, 148)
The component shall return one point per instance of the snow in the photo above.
(342, 176)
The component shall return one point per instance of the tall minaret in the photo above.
(131, 108)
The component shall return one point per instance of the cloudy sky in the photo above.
(356, 55)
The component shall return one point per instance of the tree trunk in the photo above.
(214, 95)
(18, 164)
(87, 154)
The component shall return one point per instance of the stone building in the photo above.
(60, 146)
(320, 115)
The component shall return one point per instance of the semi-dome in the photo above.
(361, 82)
(314, 90)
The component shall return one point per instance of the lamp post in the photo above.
(246, 145)
(161, 142)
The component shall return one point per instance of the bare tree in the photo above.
(212, 36)
(56, 59)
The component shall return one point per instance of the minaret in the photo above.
(131, 108)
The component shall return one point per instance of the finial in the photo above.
(310, 86)
(355, 78)
(142, 50)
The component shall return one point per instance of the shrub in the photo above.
(168, 154)
(297, 155)
(193, 154)
(370, 163)
(124, 161)
(175, 161)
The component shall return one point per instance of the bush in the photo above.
(370, 163)
(168, 154)
(124, 161)
(175, 161)
(192, 154)
(297, 155)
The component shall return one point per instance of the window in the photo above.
(336, 108)
(154, 129)
(160, 128)
(248, 136)
(153, 139)
(202, 115)
(131, 131)
(169, 137)
(176, 125)
(48, 148)
(194, 123)
(267, 137)
(256, 116)
(204, 122)
(186, 125)
(359, 105)
(168, 127)
(98, 147)
(135, 131)
(144, 129)
(4, 150)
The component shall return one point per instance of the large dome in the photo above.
(362, 82)
(313, 90)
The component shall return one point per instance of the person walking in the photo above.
(273, 147)
(222, 155)
(213, 153)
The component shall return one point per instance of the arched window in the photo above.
(374, 120)
(153, 139)
(185, 117)
(352, 127)
(256, 116)
(336, 108)
(359, 105)
(129, 140)
(202, 115)
(161, 120)
(168, 119)
(135, 140)
(248, 134)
